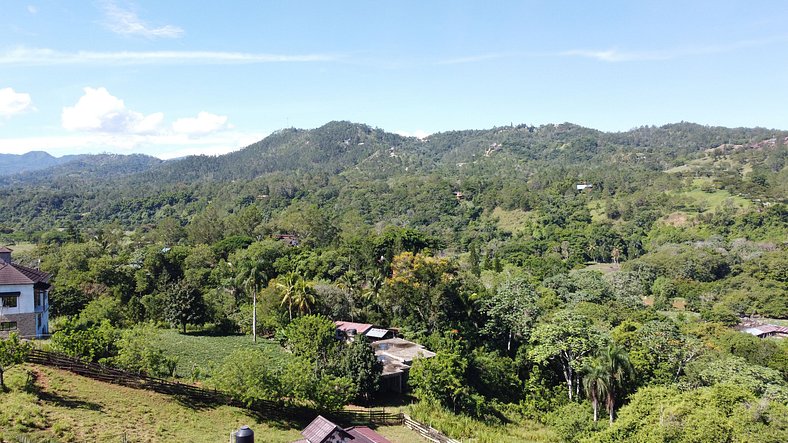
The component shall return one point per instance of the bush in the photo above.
(136, 353)
(88, 342)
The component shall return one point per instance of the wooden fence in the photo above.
(428, 432)
(202, 396)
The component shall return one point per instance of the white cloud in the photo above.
(49, 57)
(204, 123)
(126, 22)
(12, 102)
(419, 133)
(101, 122)
(32, 9)
(99, 111)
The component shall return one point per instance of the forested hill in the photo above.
(31, 161)
(342, 166)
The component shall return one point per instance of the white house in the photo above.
(24, 298)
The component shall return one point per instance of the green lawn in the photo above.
(64, 407)
(206, 352)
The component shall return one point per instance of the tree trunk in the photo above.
(254, 316)
(595, 403)
(611, 403)
(2, 380)
(509, 343)
(183, 326)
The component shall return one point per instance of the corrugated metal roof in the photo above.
(364, 434)
(377, 332)
(319, 429)
(360, 328)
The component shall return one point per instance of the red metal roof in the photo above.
(360, 328)
(320, 429)
(366, 435)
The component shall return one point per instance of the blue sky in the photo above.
(172, 78)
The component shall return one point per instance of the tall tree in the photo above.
(567, 338)
(252, 274)
(361, 365)
(184, 304)
(617, 369)
(511, 311)
(595, 383)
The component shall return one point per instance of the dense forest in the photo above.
(592, 282)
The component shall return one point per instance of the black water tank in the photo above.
(244, 435)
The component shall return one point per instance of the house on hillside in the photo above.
(347, 330)
(24, 298)
(584, 186)
(321, 430)
(763, 331)
(397, 355)
(289, 239)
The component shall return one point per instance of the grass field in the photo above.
(512, 221)
(64, 407)
(206, 352)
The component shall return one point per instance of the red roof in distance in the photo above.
(360, 328)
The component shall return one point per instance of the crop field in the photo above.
(203, 353)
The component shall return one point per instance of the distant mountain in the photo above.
(349, 165)
(95, 167)
(31, 161)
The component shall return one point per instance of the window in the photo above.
(9, 301)
(7, 326)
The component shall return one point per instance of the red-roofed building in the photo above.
(321, 430)
(24, 298)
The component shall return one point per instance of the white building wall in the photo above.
(25, 304)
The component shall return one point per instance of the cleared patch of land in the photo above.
(204, 353)
(512, 221)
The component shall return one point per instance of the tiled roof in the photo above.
(37, 276)
(3, 249)
(10, 275)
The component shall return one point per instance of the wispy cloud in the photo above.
(12, 102)
(124, 21)
(616, 55)
(50, 57)
(622, 55)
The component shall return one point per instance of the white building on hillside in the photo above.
(24, 299)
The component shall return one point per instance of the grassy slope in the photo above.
(69, 408)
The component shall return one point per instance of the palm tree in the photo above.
(287, 286)
(253, 275)
(303, 298)
(595, 381)
(617, 369)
